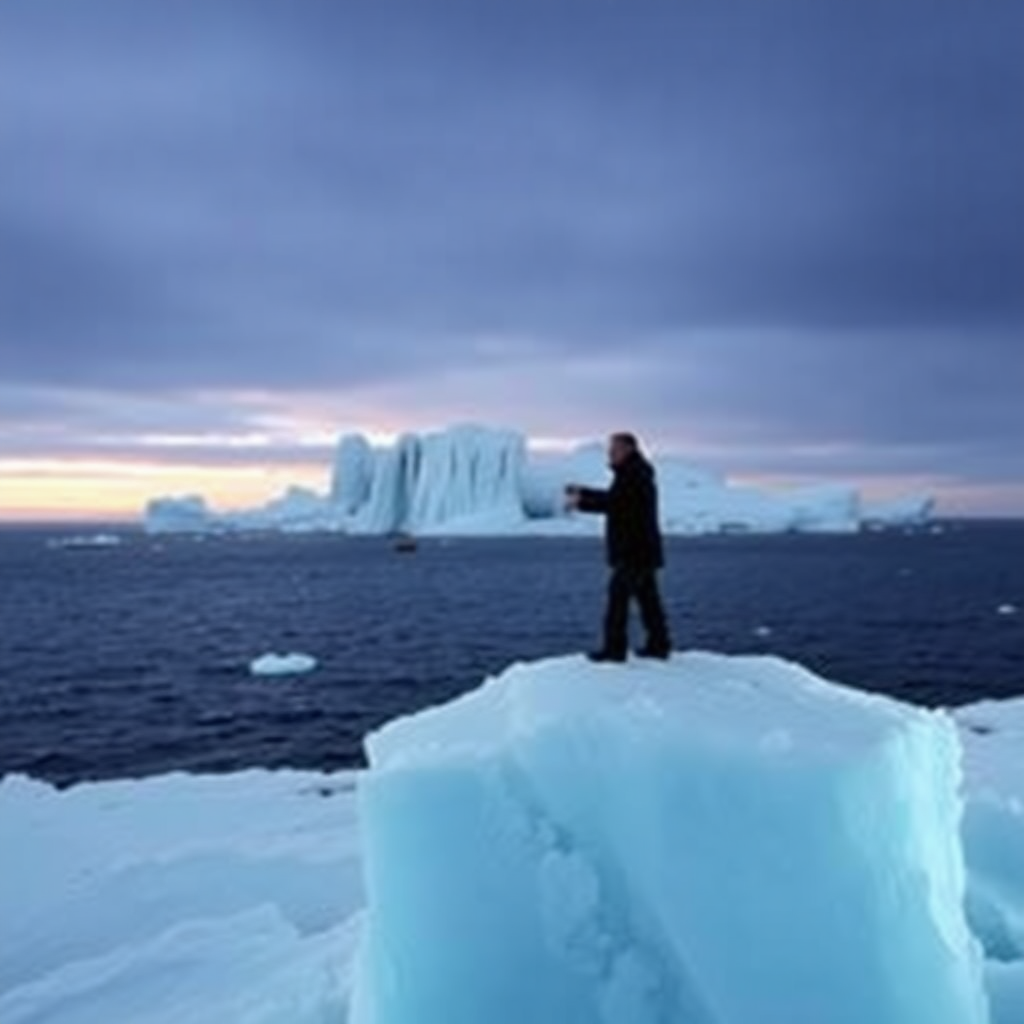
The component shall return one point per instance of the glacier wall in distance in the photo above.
(481, 481)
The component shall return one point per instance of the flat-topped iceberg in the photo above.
(481, 481)
(709, 841)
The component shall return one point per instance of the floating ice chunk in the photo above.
(706, 840)
(282, 664)
(763, 631)
(1006, 609)
(92, 540)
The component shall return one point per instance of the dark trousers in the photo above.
(625, 584)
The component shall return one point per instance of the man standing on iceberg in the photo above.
(633, 542)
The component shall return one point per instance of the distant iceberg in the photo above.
(481, 481)
(910, 510)
(186, 514)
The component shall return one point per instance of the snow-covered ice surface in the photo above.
(179, 900)
(712, 841)
(292, 664)
(480, 481)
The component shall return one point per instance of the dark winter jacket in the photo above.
(632, 534)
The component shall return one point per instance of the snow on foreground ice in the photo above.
(179, 900)
(716, 840)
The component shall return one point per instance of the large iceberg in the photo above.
(711, 841)
(472, 480)
(809, 822)
(466, 478)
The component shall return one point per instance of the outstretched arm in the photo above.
(586, 499)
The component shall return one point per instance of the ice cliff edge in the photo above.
(708, 841)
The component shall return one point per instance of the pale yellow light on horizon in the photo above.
(117, 490)
(63, 490)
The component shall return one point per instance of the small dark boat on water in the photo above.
(405, 544)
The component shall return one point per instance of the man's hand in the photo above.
(572, 496)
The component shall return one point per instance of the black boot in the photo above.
(604, 655)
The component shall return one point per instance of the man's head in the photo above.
(620, 447)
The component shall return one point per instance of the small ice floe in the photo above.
(1006, 609)
(92, 540)
(292, 664)
(762, 631)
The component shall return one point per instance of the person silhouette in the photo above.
(634, 549)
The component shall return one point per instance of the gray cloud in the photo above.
(799, 222)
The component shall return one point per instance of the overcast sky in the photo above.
(786, 237)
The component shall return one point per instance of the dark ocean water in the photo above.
(132, 660)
